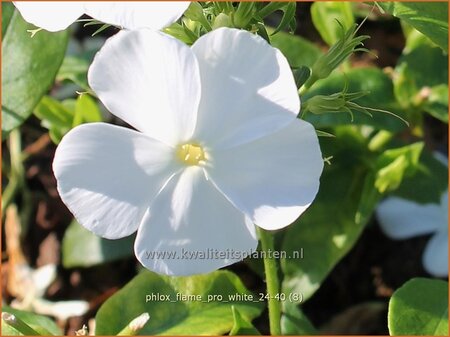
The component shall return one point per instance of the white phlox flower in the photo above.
(403, 219)
(58, 15)
(218, 149)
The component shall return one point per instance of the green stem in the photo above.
(273, 286)
(17, 177)
(18, 324)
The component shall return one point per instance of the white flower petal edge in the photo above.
(435, 256)
(137, 14)
(403, 219)
(248, 89)
(108, 176)
(191, 217)
(273, 179)
(50, 15)
(149, 80)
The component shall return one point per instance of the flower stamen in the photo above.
(191, 154)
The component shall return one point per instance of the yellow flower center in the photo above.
(190, 154)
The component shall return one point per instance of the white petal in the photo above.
(108, 176)
(403, 219)
(50, 15)
(248, 89)
(435, 256)
(149, 80)
(137, 14)
(62, 309)
(191, 216)
(274, 179)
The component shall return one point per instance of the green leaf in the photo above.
(294, 321)
(86, 110)
(81, 248)
(413, 74)
(208, 315)
(74, 69)
(7, 13)
(437, 102)
(430, 18)
(380, 96)
(29, 68)
(419, 307)
(298, 51)
(329, 229)
(53, 113)
(301, 75)
(325, 15)
(41, 324)
(241, 326)
(428, 183)
(393, 164)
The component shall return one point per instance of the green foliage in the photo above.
(294, 321)
(430, 18)
(241, 326)
(41, 324)
(328, 229)
(422, 86)
(428, 182)
(60, 117)
(177, 317)
(298, 51)
(380, 95)
(419, 307)
(326, 15)
(393, 164)
(74, 69)
(27, 78)
(82, 248)
(347, 44)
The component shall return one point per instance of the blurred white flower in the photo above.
(58, 15)
(403, 219)
(219, 149)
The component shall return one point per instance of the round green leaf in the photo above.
(419, 307)
(210, 314)
(29, 67)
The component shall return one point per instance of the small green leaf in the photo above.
(74, 69)
(41, 324)
(27, 77)
(427, 184)
(294, 321)
(206, 312)
(301, 75)
(436, 103)
(393, 164)
(86, 111)
(241, 326)
(53, 113)
(430, 18)
(81, 248)
(419, 307)
(325, 15)
(298, 51)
